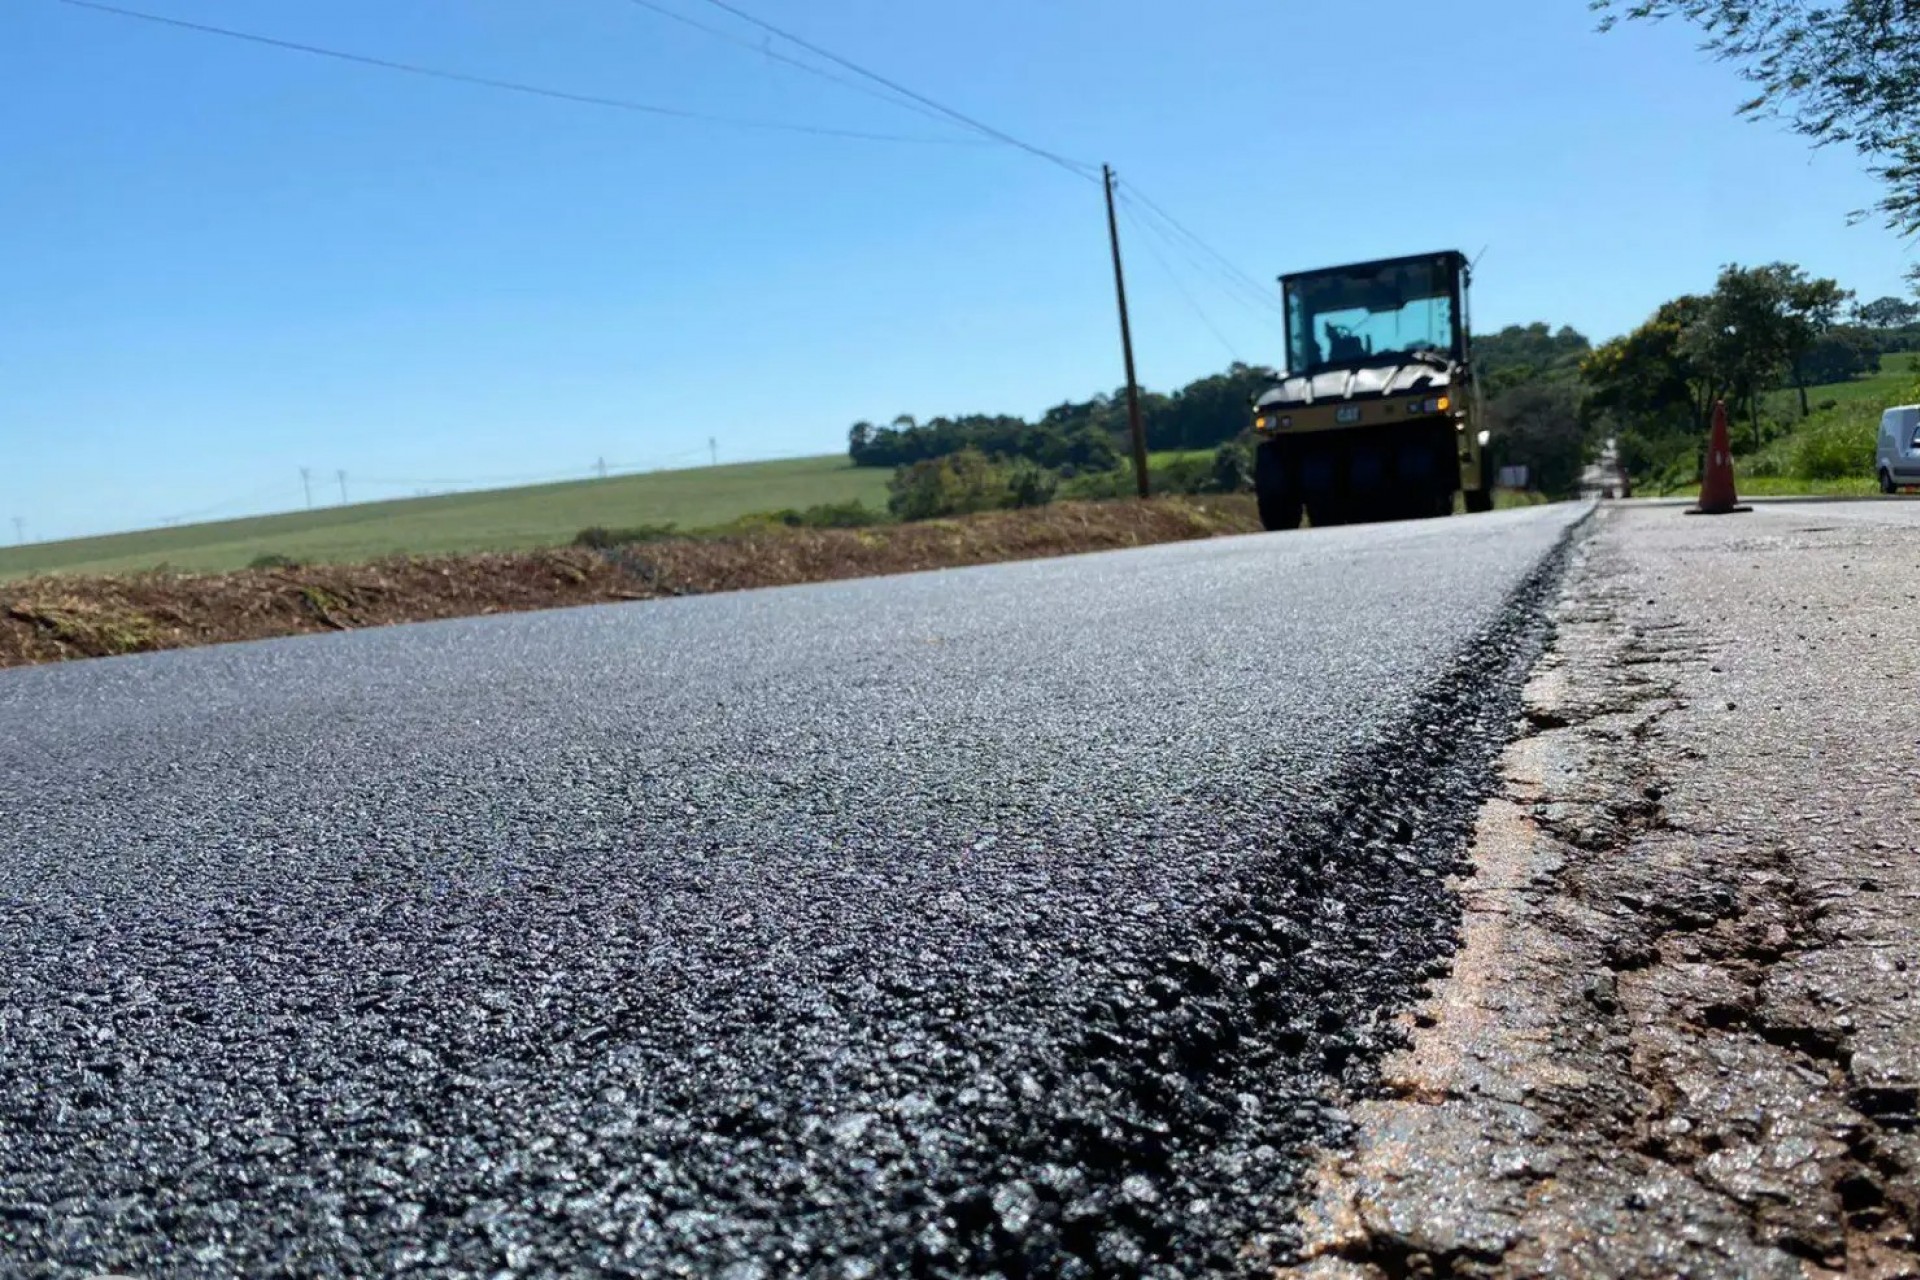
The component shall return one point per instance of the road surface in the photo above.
(1017, 918)
(1682, 1034)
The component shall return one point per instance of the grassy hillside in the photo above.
(1832, 451)
(1828, 453)
(496, 520)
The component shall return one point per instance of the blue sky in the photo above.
(227, 262)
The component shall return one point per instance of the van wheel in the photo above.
(1886, 482)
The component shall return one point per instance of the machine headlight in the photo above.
(1483, 437)
(1439, 404)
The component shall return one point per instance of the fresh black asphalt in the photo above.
(1019, 920)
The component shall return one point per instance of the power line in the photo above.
(602, 468)
(509, 86)
(1230, 285)
(1075, 167)
(1134, 220)
(253, 499)
(1259, 289)
(767, 50)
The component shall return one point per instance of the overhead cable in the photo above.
(1075, 167)
(1193, 303)
(509, 86)
(767, 50)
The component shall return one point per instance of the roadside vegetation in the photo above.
(1805, 373)
(55, 617)
(1804, 367)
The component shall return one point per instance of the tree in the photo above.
(1887, 313)
(1539, 427)
(1845, 72)
(1522, 353)
(1074, 438)
(1756, 329)
(1651, 376)
(1207, 412)
(1841, 354)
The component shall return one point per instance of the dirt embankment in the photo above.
(54, 618)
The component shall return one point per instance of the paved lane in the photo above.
(1018, 918)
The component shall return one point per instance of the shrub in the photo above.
(600, 538)
(1232, 468)
(1183, 475)
(1099, 486)
(841, 515)
(955, 484)
(273, 560)
(1834, 450)
(825, 515)
(1683, 472)
(1031, 486)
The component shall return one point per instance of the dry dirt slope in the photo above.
(48, 619)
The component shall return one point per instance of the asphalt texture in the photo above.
(1682, 1035)
(1029, 919)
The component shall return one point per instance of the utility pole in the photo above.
(343, 487)
(20, 531)
(600, 466)
(1126, 341)
(306, 482)
(713, 447)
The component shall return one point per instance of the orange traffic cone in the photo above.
(1717, 497)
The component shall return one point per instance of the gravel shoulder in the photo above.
(1681, 1036)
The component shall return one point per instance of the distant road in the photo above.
(1004, 917)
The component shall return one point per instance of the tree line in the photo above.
(1076, 437)
(1759, 330)
(1551, 394)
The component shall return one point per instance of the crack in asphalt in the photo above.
(1645, 1063)
(1032, 920)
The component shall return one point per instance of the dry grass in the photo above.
(49, 619)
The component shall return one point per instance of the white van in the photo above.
(1898, 457)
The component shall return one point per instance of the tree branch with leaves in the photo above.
(1843, 72)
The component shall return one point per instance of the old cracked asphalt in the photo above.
(1021, 919)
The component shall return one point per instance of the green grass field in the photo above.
(1832, 451)
(492, 520)
(1896, 376)
(496, 520)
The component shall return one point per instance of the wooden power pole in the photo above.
(1126, 342)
